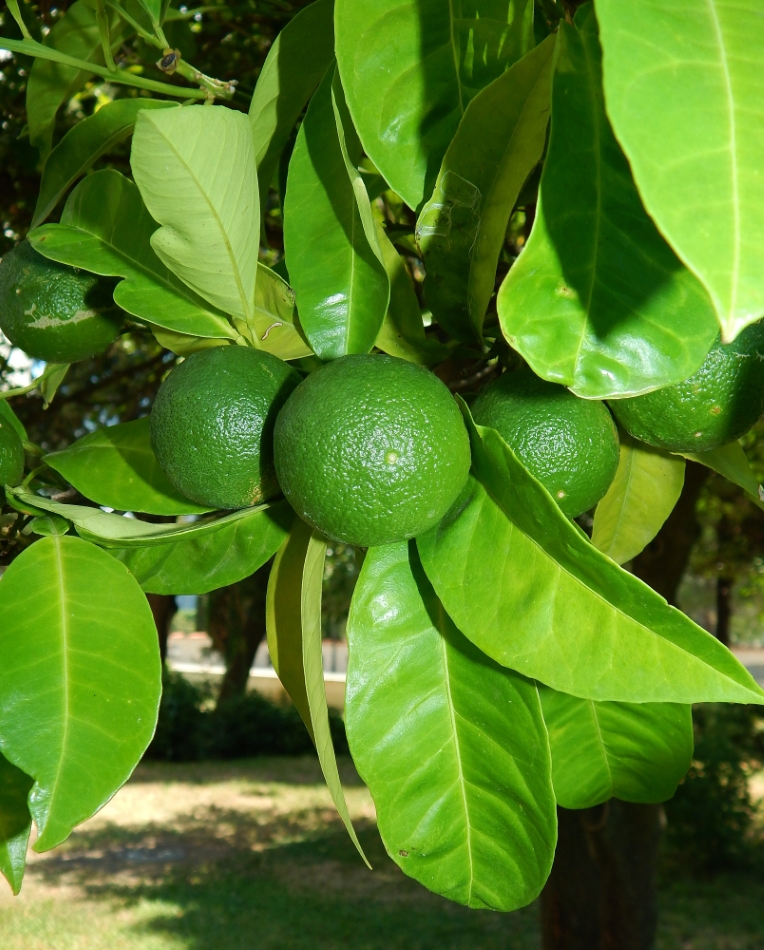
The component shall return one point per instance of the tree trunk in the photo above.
(723, 609)
(163, 608)
(601, 894)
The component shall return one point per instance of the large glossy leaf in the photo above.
(642, 495)
(297, 60)
(530, 590)
(195, 168)
(15, 822)
(638, 752)
(686, 100)
(340, 285)
(116, 467)
(597, 300)
(80, 679)
(452, 746)
(212, 559)
(51, 84)
(410, 69)
(105, 228)
(84, 144)
(731, 461)
(462, 228)
(293, 622)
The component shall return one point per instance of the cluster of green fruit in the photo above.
(369, 449)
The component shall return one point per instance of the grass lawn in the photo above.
(250, 856)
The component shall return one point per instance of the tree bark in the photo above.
(723, 609)
(601, 894)
(163, 608)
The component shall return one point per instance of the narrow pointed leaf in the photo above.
(295, 65)
(15, 822)
(293, 620)
(195, 168)
(731, 462)
(597, 300)
(154, 9)
(340, 285)
(105, 228)
(462, 228)
(410, 70)
(452, 746)
(643, 493)
(84, 144)
(687, 103)
(116, 467)
(212, 559)
(638, 752)
(80, 679)
(530, 590)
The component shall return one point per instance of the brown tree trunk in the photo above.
(601, 894)
(163, 608)
(723, 609)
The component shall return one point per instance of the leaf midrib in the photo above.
(65, 719)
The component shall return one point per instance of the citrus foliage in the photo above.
(500, 660)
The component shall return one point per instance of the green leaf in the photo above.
(402, 331)
(731, 462)
(340, 285)
(452, 746)
(462, 228)
(183, 344)
(51, 84)
(195, 168)
(643, 493)
(528, 588)
(8, 415)
(105, 228)
(15, 822)
(632, 751)
(275, 320)
(597, 300)
(293, 622)
(80, 679)
(212, 559)
(116, 467)
(295, 65)
(48, 526)
(49, 381)
(686, 100)
(117, 531)
(154, 9)
(410, 70)
(83, 145)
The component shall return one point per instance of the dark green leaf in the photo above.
(686, 98)
(80, 679)
(15, 822)
(296, 62)
(638, 752)
(462, 228)
(213, 559)
(105, 228)
(293, 617)
(341, 287)
(731, 462)
(83, 145)
(8, 415)
(452, 746)
(529, 589)
(643, 493)
(116, 467)
(410, 69)
(598, 301)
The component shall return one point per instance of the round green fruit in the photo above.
(716, 405)
(371, 449)
(11, 456)
(569, 444)
(212, 425)
(53, 312)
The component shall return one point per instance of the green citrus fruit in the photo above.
(569, 444)
(371, 449)
(53, 312)
(717, 404)
(11, 456)
(212, 425)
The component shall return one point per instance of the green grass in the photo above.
(250, 856)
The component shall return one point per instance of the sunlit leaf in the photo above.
(80, 679)
(597, 300)
(452, 746)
